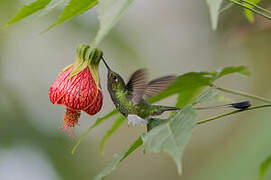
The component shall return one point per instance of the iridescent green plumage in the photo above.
(130, 98)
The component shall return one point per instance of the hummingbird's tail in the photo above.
(169, 108)
(162, 109)
(240, 105)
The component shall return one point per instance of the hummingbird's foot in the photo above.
(135, 120)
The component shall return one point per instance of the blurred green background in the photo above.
(164, 36)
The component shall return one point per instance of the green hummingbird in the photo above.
(130, 98)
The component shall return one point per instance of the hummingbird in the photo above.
(130, 98)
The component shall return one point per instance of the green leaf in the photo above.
(52, 5)
(109, 13)
(74, 8)
(233, 69)
(249, 14)
(112, 165)
(190, 90)
(154, 122)
(172, 136)
(184, 84)
(189, 85)
(264, 167)
(97, 122)
(110, 132)
(214, 7)
(210, 95)
(187, 96)
(27, 10)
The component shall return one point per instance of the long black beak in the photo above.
(106, 64)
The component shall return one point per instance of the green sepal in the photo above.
(66, 68)
(87, 57)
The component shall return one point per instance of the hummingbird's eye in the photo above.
(114, 78)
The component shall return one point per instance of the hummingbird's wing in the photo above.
(137, 85)
(157, 85)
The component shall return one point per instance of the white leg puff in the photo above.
(135, 120)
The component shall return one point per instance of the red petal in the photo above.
(56, 90)
(76, 93)
(96, 107)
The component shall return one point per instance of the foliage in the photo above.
(211, 95)
(264, 167)
(28, 10)
(248, 13)
(250, 7)
(109, 13)
(74, 8)
(173, 135)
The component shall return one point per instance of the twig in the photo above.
(242, 94)
(230, 113)
(249, 8)
(257, 6)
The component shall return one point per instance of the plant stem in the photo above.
(249, 8)
(225, 8)
(257, 6)
(230, 113)
(243, 94)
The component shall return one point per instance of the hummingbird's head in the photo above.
(114, 80)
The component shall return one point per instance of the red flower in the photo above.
(78, 87)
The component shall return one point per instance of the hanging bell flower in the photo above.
(78, 87)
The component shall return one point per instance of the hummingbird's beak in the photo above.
(106, 64)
